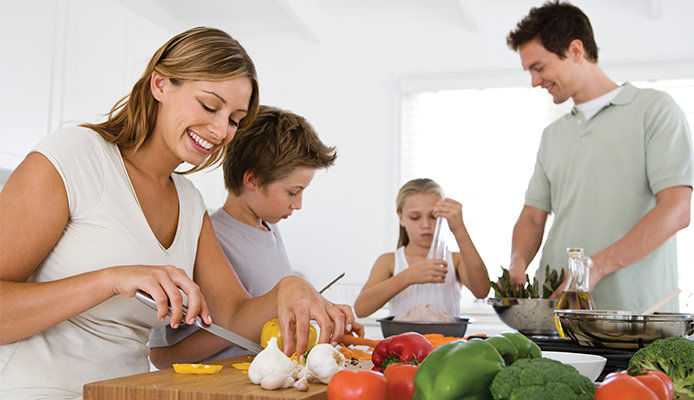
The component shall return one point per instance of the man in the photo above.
(616, 171)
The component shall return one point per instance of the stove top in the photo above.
(617, 359)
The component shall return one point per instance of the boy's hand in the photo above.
(452, 211)
(427, 271)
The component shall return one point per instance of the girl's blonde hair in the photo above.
(197, 54)
(415, 186)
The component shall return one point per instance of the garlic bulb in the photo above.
(323, 362)
(271, 361)
(276, 380)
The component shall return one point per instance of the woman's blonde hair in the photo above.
(197, 54)
(415, 186)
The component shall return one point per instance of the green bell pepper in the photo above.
(458, 370)
(505, 347)
(526, 347)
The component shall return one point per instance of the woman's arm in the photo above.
(33, 215)
(293, 300)
(470, 269)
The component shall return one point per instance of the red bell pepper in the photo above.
(400, 381)
(357, 385)
(650, 385)
(406, 348)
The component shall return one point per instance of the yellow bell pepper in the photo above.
(196, 368)
(272, 329)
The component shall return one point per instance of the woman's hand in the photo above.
(452, 211)
(164, 284)
(429, 270)
(298, 303)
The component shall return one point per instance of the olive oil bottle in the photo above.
(576, 295)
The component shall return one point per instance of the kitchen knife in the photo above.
(232, 337)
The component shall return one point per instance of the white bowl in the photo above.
(588, 365)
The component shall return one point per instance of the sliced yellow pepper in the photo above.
(196, 368)
(272, 329)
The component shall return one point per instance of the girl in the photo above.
(407, 278)
(96, 212)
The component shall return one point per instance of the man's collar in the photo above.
(625, 96)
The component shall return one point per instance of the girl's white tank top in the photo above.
(444, 296)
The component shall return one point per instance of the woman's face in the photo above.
(417, 217)
(197, 118)
(277, 200)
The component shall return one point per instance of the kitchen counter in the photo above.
(228, 384)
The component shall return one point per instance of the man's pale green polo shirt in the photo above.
(599, 177)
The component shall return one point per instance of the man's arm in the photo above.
(670, 214)
(527, 238)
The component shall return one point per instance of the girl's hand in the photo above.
(427, 271)
(298, 303)
(452, 211)
(164, 284)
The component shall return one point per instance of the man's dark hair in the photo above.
(555, 24)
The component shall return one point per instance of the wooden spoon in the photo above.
(662, 302)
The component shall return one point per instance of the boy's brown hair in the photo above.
(276, 143)
(555, 25)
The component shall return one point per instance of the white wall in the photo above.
(76, 57)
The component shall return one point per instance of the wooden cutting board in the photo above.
(228, 384)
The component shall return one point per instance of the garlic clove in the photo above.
(302, 384)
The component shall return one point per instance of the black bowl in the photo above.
(456, 328)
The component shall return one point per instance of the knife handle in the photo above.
(147, 300)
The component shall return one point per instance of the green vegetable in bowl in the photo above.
(505, 288)
(675, 357)
(541, 379)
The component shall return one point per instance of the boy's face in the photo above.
(279, 199)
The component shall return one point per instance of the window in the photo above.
(480, 145)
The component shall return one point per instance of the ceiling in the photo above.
(317, 20)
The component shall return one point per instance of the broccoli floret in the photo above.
(541, 379)
(675, 357)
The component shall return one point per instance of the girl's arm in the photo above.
(380, 287)
(470, 268)
(294, 300)
(33, 215)
(383, 286)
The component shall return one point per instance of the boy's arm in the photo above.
(196, 347)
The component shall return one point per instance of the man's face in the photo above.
(547, 70)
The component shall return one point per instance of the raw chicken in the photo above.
(424, 313)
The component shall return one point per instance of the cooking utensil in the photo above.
(527, 316)
(232, 337)
(455, 328)
(622, 329)
(438, 246)
(331, 283)
(662, 302)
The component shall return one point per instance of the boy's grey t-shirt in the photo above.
(258, 258)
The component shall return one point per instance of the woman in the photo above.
(96, 213)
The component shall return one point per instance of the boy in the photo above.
(266, 169)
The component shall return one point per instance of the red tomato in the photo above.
(400, 380)
(357, 385)
(622, 386)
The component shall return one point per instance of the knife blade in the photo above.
(217, 330)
